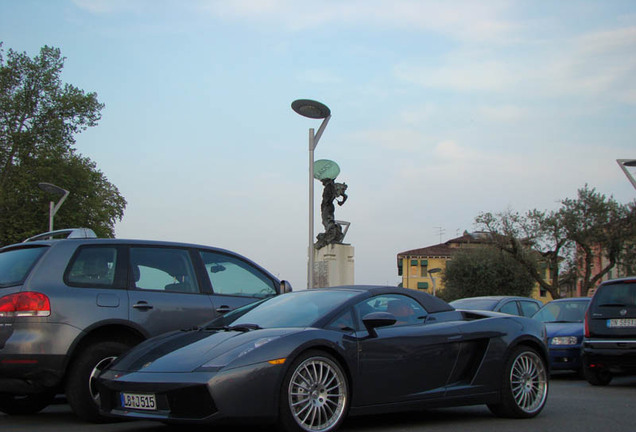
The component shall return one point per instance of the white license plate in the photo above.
(139, 401)
(621, 322)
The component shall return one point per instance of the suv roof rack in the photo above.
(69, 233)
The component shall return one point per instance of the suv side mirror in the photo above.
(378, 319)
(285, 287)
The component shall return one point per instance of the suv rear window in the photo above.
(15, 264)
(618, 294)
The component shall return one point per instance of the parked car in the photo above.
(563, 319)
(609, 345)
(69, 306)
(522, 306)
(307, 358)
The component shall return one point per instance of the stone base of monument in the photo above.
(333, 265)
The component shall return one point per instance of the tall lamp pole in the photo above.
(53, 208)
(624, 163)
(314, 110)
(430, 273)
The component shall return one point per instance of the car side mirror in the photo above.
(285, 287)
(378, 319)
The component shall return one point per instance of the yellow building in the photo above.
(422, 269)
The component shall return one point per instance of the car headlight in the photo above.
(224, 359)
(564, 340)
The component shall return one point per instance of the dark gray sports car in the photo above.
(307, 359)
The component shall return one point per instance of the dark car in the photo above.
(563, 319)
(609, 346)
(522, 306)
(68, 307)
(307, 359)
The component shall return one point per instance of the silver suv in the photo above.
(68, 307)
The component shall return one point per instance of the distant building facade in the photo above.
(419, 267)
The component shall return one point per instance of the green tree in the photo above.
(484, 271)
(39, 118)
(568, 239)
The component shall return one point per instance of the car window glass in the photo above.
(93, 266)
(623, 294)
(528, 308)
(163, 269)
(15, 264)
(232, 276)
(406, 310)
(510, 308)
(344, 322)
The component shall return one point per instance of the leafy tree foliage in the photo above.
(568, 240)
(39, 118)
(484, 271)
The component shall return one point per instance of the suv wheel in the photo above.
(597, 376)
(81, 385)
(25, 404)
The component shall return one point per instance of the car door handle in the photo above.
(455, 337)
(223, 309)
(142, 305)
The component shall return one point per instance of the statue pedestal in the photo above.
(333, 265)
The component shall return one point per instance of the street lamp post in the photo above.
(431, 272)
(624, 163)
(53, 208)
(314, 110)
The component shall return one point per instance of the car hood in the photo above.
(564, 329)
(185, 351)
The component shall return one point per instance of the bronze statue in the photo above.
(333, 232)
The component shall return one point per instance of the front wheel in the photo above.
(81, 386)
(314, 396)
(524, 388)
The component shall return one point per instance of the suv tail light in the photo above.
(28, 303)
(587, 324)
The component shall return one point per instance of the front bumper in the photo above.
(565, 358)
(247, 394)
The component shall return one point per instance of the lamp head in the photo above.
(311, 109)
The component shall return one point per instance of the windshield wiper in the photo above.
(239, 327)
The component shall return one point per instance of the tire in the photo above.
(25, 404)
(524, 385)
(81, 386)
(597, 376)
(314, 396)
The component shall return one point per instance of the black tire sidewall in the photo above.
(286, 421)
(25, 404)
(80, 369)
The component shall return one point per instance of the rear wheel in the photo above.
(25, 404)
(597, 376)
(81, 385)
(524, 388)
(314, 396)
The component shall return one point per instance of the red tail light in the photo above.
(27, 303)
(587, 324)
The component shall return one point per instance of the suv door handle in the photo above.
(223, 309)
(142, 305)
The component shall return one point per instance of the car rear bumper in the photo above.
(617, 355)
(25, 374)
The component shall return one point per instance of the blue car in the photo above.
(564, 321)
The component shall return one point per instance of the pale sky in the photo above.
(441, 110)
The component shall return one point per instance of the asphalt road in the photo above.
(573, 405)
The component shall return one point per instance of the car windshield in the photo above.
(562, 311)
(15, 264)
(616, 294)
(297, 309)
(474, 304)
